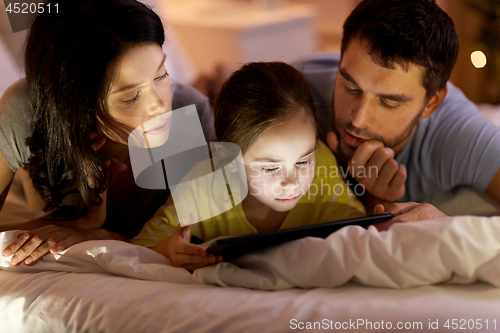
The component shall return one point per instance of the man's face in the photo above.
(375, 103)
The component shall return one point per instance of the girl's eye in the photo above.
(164, 76)
(130, 101)
(270, 170)
(302, 163)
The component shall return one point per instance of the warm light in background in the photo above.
(478, 59)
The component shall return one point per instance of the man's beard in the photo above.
(346, 152)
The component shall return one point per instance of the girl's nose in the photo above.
(290, 179)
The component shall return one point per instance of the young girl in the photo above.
(267, 110)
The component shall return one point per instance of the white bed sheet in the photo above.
(461, 249)
(77, 302)
(67, 301)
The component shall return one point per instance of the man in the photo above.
(392, 110)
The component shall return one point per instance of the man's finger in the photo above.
(333, 142)
(398, 182)
(380, 157)
(401, 208)
(386, 174)
(379, 209)
(364, 152)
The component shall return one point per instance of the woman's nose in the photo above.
(159, 103)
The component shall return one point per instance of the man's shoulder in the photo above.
(454, 105)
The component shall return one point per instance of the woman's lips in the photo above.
(352, 140)
(162, 128)
(289, 199)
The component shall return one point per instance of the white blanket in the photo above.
(461, 249)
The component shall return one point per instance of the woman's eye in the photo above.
(130, 101)
(270, 170)
(164, 76)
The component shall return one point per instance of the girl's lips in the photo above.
(289, 199)
(352, 140)
(162, 128)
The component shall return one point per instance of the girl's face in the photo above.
(140, 93)
(280, 164)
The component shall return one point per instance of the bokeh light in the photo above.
(478, 59)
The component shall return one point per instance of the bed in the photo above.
(437, 275)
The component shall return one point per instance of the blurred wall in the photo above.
(473, 81)
(11, 55)
(476, 83)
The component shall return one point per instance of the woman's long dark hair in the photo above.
(69, 61)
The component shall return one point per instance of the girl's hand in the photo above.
(182, 253)
(31, 245)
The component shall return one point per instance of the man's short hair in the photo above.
(406, 32)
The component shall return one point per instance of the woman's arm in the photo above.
(48, 234)
(34, 244)
(6, 176)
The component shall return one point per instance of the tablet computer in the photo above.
(232, 247)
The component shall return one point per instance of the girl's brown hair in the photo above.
(258, 96)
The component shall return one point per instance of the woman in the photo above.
(94, 72)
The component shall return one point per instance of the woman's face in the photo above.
(280, 164)
(139, 95)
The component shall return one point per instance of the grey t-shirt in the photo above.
(455, 147)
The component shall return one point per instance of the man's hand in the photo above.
(407, 212)
(374, 167)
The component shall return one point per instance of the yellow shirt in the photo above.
(328, 199)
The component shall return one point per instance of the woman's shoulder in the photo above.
(15, 119)
(15, 99)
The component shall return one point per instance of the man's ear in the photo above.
(435, 102)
